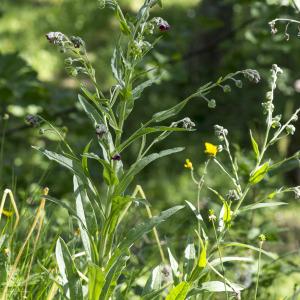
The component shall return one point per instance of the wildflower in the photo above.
(7, 213)
(116, 157)
(212, 217)
(211, 149)
(6, 251)
(188, 164)
(164, 27)
(55, 38)
(162, 24)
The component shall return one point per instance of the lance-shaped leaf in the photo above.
(259, 173)
(154, 281)
(96, 281)
(70, 163)
(254, 146)
(140, 165)
(86, 214)
(147, 130)
(68, 271)
(179, 292)
(189, 258)
(109, 174)
(215, 287)
(261, 205)
(138, 231)
(90, 110)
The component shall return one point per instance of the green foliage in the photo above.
(109, 253)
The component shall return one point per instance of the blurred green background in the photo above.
(208, 38)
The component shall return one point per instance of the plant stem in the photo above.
(258, 269)
(220, 255)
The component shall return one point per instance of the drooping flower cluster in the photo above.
(251, 75)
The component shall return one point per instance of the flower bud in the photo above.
(212, 103)
(226, 88)
(290, 129)
(251, 75)
(116, 157)
(32, 120)
(77, 41)
(239, 84)
(101, 130)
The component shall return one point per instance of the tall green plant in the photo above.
(99, 210)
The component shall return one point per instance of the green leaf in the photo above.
(68, 271)
(72, 164)
(119, 203)
(147, 130)
(84, 160)
(139, 230)
(85, 212)
(194, 210)
(140, 165)
(202, 258)
(179, 292)
(112, 275)
(137, 91)
(259, 173)
(96, 281)
(109, 174)
(254, 146)
(261, 205)
(171, 112)
(154, 282)
(174, 265)
(189, 258)
(90, 110)
(123, 23)
(241, 245)
(219, 286)
(224, 259)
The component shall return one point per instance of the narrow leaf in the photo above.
(259, 173)
(179, 292)
(254, 146)
(68, 272)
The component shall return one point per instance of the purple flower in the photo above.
(164, 26)
(116, 157)
(55, 37)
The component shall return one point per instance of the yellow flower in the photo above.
(211, 149)
(188, 164)
(7, 213)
